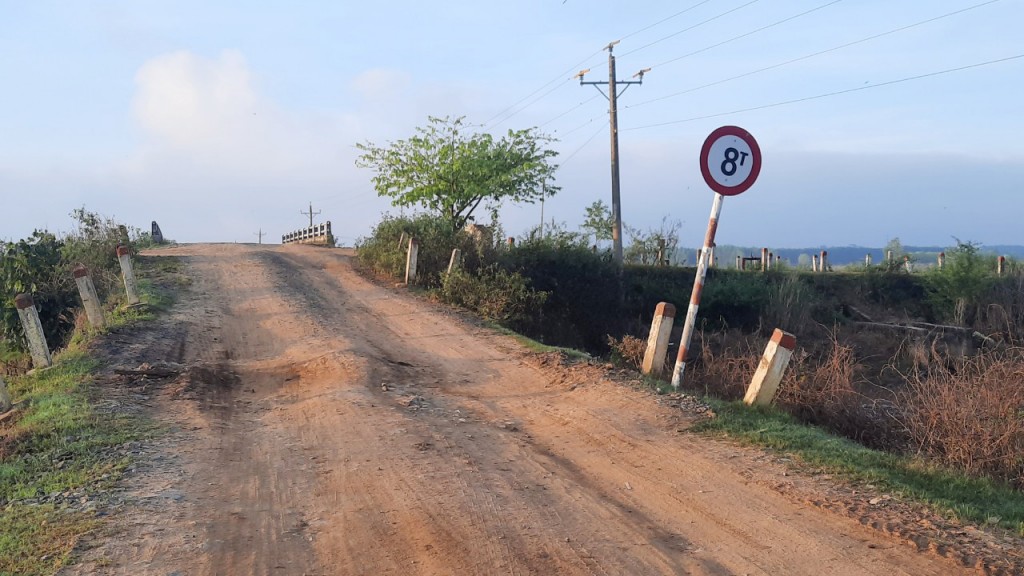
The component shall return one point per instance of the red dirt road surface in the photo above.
(323, 424)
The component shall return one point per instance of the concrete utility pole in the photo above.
(613, 115)
(310, 214)
(261, 233)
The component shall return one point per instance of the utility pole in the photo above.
(310, 214)
(613, 116)
(261, 235)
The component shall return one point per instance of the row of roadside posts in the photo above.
(29, 315)
(730, 162)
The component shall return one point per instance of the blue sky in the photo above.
(218, 119)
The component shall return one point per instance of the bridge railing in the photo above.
(319, 234)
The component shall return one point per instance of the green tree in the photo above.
(958, 287)
(598, 221)
(451, 172)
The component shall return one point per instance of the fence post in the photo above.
(771, 258)
(90, 300)
(5, 397)
(33, 330)
(661, 252)
(942, 260)
(907, 264)
(867, 259)
(1001, 265)
(455, 261)
(888, 256)
(814, 262)
(410, 261)
(771, 369)
(401, 241)
(657, 340)
(124, 257)
(764, 259)
(511, 242)
(823, 261)
(739, 262)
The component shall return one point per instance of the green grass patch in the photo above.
(59, 447)
(980, 500)
(535, 346)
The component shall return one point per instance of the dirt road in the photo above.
(327, 425)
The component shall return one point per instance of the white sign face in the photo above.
(730, 160)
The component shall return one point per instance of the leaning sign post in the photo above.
(730, 161)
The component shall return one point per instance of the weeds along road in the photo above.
(328, 425)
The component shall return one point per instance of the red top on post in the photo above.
(23, 301)
(122, 250)
(80, 271)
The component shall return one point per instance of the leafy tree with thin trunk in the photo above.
(451, 172)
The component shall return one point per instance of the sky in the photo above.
(223, 119)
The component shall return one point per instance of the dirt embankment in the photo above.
(325, 425)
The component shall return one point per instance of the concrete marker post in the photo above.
(657, 340)
(769, 372)
(907, 264)
(1000, 265)
(814, 262)
(124, 257)
(511, 242)
(410, 261)
(942, 260)
(764, 259)
(867, 259)
(33, 331)
(90, 300)
(5, 397)
(739, 262)
(455, 261)
(823, 261)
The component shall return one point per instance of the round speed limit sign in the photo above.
(730, 160)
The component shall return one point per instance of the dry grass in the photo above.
(629, 351)
(971, 416)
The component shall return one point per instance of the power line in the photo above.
(576, 107)
(571, 69)
(812, 55)
(582, 146)
(688, 28)
(310, 214)
(752, 32)
(827, 94)
(663, 20)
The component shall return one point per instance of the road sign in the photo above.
(730, 160)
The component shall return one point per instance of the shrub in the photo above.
(971, 417)
(496, 294)
(34, 265)
(957, 288)
(628, 351)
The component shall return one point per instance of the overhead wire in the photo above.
(584, 145)
(688, 28)
(573, 109)
(829, 94)
(665, 19)
(751, 33)
(812, 55)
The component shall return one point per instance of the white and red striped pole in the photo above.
(698, 288)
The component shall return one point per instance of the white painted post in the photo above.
(907, 264)
(455, 261)
(823, 262)
(1000, 265)
(711, 258)
(764, 259)
(5, 397)
(814, 262)
(125, 259)
(410, 261)
(401, 241)
(739, 262)
(867, 259)
(657, 340)
(769, 372)
(661, 252)
(698, 289)
(90, 300)
(942, 260)
(33, 330)
(511, 242)
(771, 258)
(888, 256)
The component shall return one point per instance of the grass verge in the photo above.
(58, 454)
(535, 346)
(978, 500)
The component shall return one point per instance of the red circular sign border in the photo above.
(755, 152)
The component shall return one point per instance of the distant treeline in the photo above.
(840, 255)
